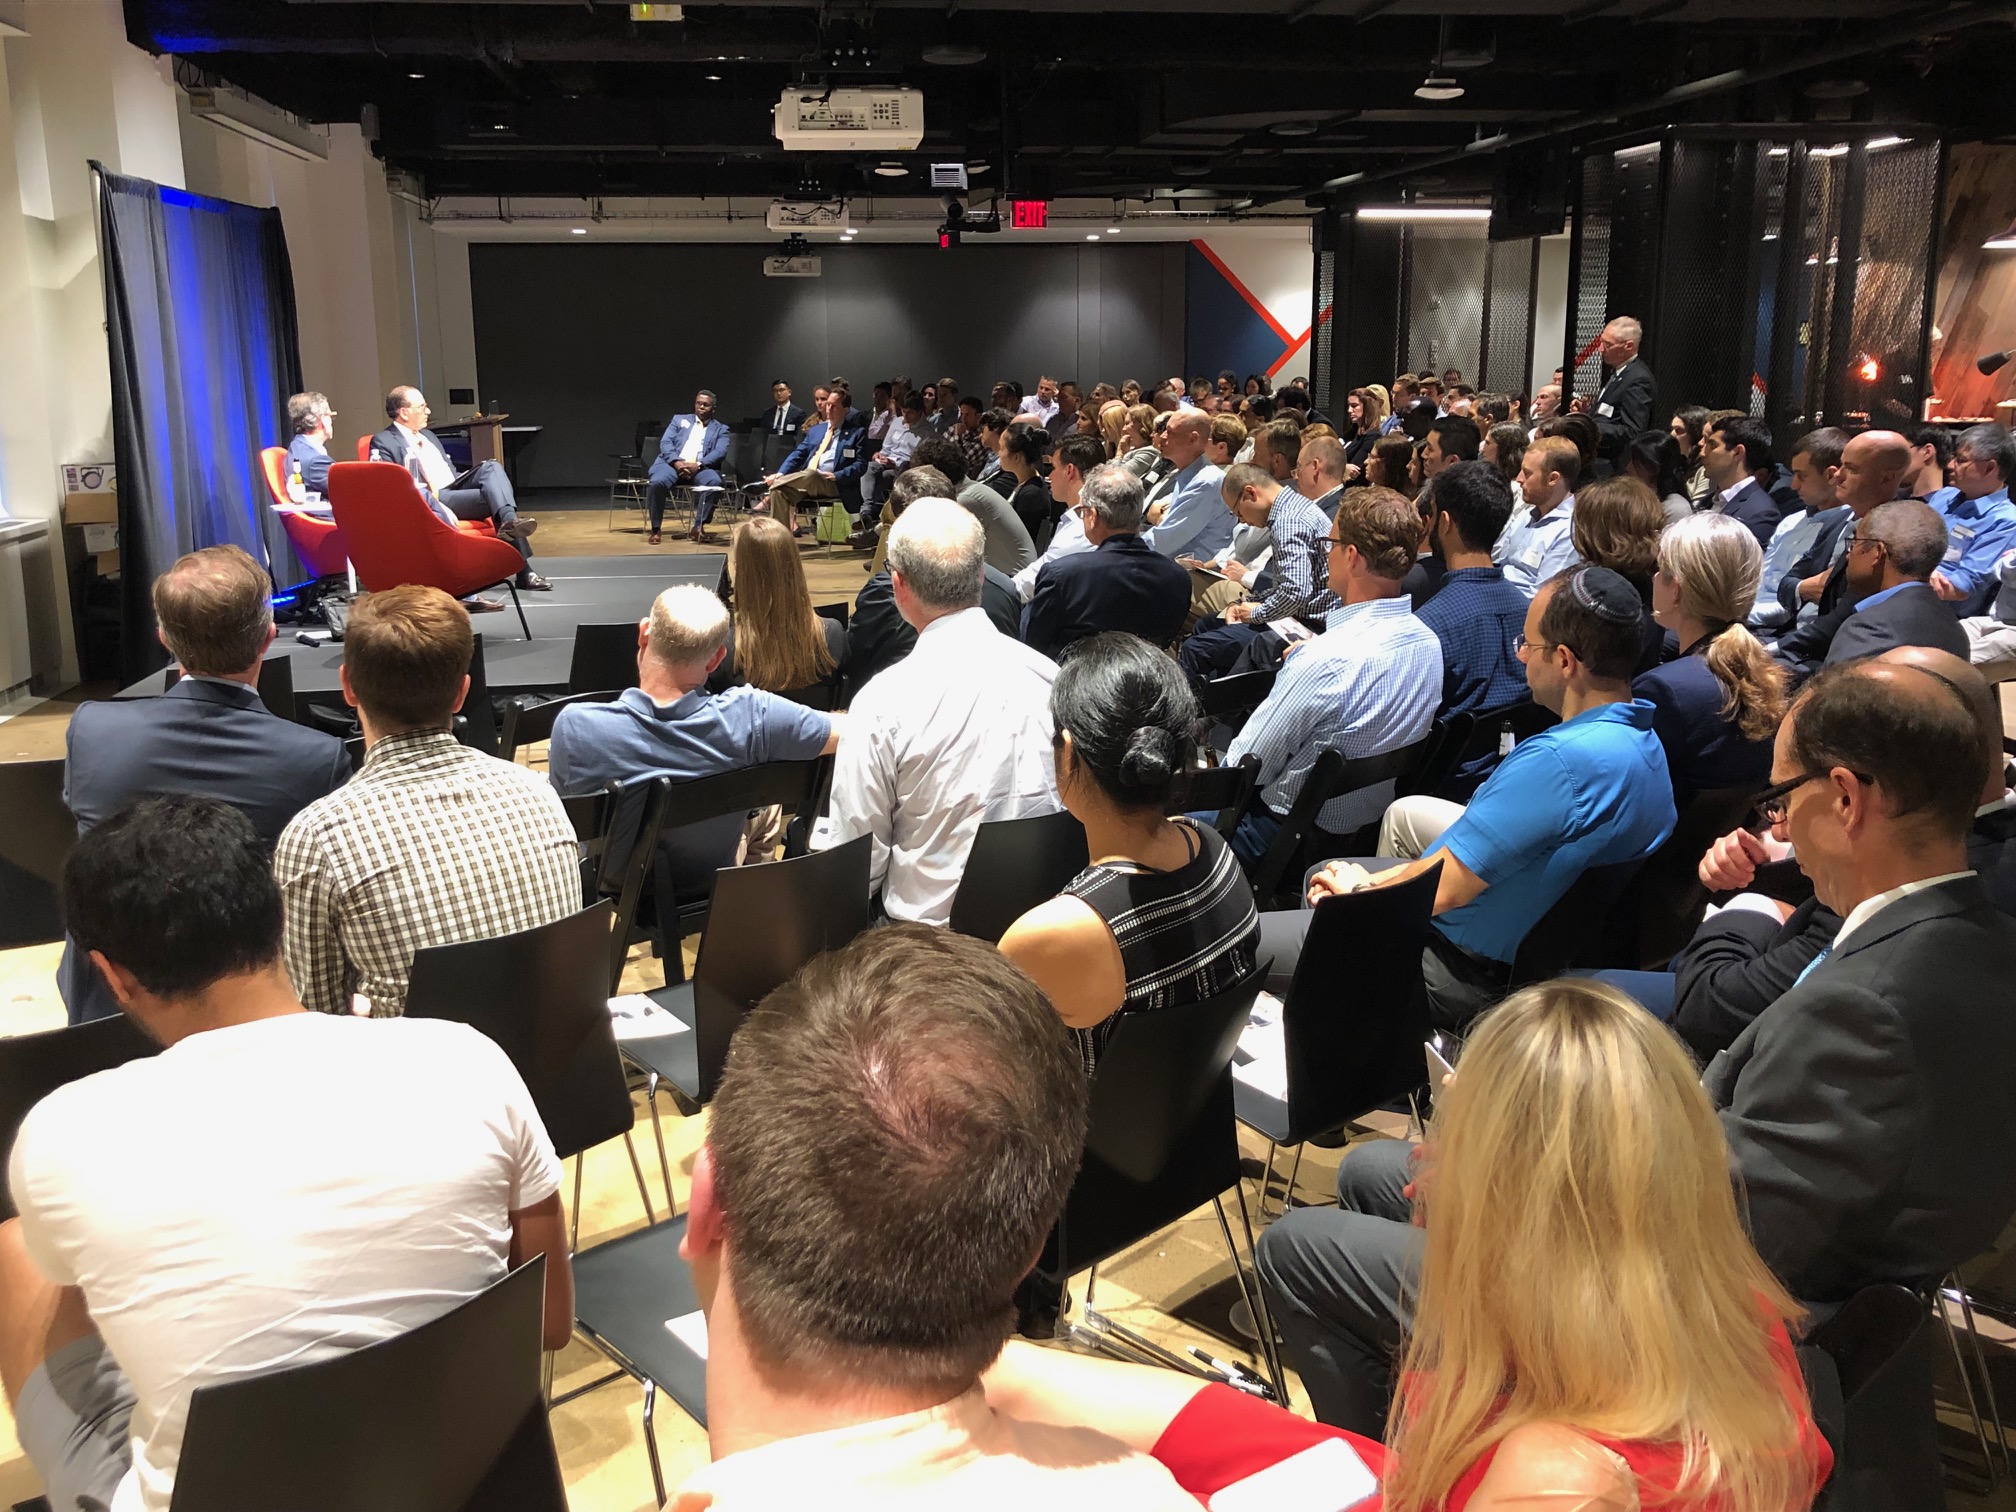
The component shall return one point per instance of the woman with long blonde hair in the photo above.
(1591, 1331)
(1716, 707)
(778, 643)
(1112, 425)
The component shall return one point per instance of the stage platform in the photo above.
(586, 591)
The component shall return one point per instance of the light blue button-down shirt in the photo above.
(1531, 551)
(1196, 523)
(1369, 683)
(1299, 575)
(1793, 538)
(1978, 531)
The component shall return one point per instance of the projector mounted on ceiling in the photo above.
(850, 120)
(807, 215)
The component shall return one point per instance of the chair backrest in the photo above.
(1331, 777)
(34, 1065)
(447, 1416)
(1014, 865)
(529, 720)
(1882, 1348)
(479, 732)
(36, 837)
(1664, 903)
(605, 656)
(1224, 790)
(832, 612)
(1446, 744)
(273, 468)
(542, 995)
(363, 448)
(1161, 1141)
(276, 686)
(1572, 932)
(1241, 693)
(393, 537)
(764, 923)
(1356, 1012)
(644, 440)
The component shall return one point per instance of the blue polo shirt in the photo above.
(700, 735)
(1592, 790)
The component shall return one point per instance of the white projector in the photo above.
(791, 267)
(850, 120)
(807, 215)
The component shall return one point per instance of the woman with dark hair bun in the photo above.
(1163, 916)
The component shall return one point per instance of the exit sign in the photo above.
(1029, 215)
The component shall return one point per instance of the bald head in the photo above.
(1901, 728)
(1965, 680)
(1189, 429)
(1873, 465)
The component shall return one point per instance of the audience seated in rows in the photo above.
(1219, 579)
(1294, 587)
(281, 1186)
(1869, 1110)
(1023, 449)
(1476, 614)
(671, 725)
(1193, 521)
(1120, 584)
(954, 734)
(1537, 542)
(1889, 557)
(1654, 458)
(1589, 791)
(1803, 543)
(825, 464)
(1162, 917)
(777, 642)
(1871, 473)
(431, 842)
(1370, 683)
(1717, 704)
(878, 636)
(208, 734)
(1077, 457)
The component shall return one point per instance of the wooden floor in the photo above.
(1176, 1288)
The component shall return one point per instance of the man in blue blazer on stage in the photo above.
(826, 464)
(208, 734)
(689, 455)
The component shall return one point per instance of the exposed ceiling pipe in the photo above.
(1863, 43)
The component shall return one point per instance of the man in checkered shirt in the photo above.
(430, 843)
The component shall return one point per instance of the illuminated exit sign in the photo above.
(1029, 215)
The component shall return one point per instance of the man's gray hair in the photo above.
(920, 482)
(1912, 532)
(1989, 443)
(1627, 329)
(939, 548)
(1244, 475)
(1117, 497)
(689, 623)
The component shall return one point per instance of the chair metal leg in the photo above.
(1294, 1171)
(1091, 1280)
(651, 1439)
(1967, 1385)
(517, 604)
(1981, 1365)
(658, 1132)
(1267, 1175)
(1263, 1320)
(574, 1214)
(637, 1170)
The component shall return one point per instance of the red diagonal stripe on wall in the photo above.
(1244, 293)
(1297, 344)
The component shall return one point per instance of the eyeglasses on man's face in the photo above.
(1775, 802)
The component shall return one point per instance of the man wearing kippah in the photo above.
(1586, 792)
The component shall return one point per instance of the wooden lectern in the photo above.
(486, 438)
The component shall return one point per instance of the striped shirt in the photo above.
(430, 843)
(1370, 683)
(1184, 935)
(1300, 568)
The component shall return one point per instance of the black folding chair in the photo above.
(1228, 699)
(1572, 932)
(1870, 1371)
(772, 919)
(36, 837)
(1447, 741)
(1659, 910)
(1331, 777)
(605, 656)
(34, 1065)
(276, 686)
(832, 612)
(540, 994)
(1223, 790)
(1353, 1021)
(446, 1417)
(1161, 1143)
(477, 725)
(617, 830)
(1489, 730)
(1014, 865)
(529, 719)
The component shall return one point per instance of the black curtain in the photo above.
(199, 316)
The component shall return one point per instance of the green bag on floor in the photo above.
(834, 525)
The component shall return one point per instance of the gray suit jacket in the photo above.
(1871, 1110)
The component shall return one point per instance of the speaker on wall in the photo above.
(1529, 196)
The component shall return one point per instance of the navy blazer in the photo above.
(210, 738)
(713, 446)
(313, 462)
(1705, 750)
(1914, 617)
(1754, 508)
(1125, 584)
(850, 451)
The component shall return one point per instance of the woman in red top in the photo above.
(1593, 1330)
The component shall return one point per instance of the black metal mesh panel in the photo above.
(1589, 300)
(1445, 303)
(1507, 360)
(1826, 181)
(1698, 344)
(1899, 217)
(1776, 301)
(1322, 332)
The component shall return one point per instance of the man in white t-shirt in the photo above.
(276, 1186)
(894, 1136)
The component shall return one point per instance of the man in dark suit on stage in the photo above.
(1628, 401)
(482, 493)
(310, 418)
(1890, 557)
(1123, 583)
(690, 454)
(1733, 453)
(208, 734)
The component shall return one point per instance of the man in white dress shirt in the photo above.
(955, 734)
(1043, 403)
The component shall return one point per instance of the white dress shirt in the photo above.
(1034, 406)
(434, 464)
(956, 733)
(1531, 550)
(1868, 908)
(1068, 539)
(696, 437)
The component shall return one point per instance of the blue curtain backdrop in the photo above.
(199, 315)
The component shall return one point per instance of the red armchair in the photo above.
(317, 542)
(472, 527)
(395, 538)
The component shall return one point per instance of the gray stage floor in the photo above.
(586, 591)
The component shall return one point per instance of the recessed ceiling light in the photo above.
(891, 170)
(1438, 87)
(1115, 231)
(1092, 236)
(416, 76)
(580, 230)
(498, 127)
(712, 78)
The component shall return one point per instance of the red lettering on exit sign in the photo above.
(1029, 215)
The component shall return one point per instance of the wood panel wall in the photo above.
(1976, 308)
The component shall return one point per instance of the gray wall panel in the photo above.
(588, 340)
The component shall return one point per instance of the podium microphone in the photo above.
(1994, 362)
